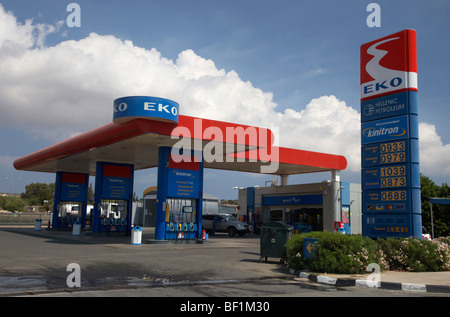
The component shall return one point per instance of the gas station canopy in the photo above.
(233, 146)
(148, 132)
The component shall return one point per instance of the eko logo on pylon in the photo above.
(387, 65)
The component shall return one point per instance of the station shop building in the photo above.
(306, 207)
(148, 132)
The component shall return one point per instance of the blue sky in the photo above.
(285, 53)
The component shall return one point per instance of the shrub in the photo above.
(416, 255)
(391, 249)
(335, 253)
(14, 204)
(350, 254)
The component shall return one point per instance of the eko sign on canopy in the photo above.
(390, 138)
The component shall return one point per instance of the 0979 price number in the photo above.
(393, 157)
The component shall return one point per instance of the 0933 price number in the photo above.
(393, 147)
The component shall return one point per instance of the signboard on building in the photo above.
(183, 177)
(73, 187)
(390, 171)
(292, 200)
(116, 182)
(183, 183)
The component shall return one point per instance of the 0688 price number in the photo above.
(393, 195)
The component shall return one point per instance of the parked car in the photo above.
(225, 223)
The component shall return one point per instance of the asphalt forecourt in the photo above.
(35, 262)
(45, 260)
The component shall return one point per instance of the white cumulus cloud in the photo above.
(434, 155)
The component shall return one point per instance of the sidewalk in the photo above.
(432, 282)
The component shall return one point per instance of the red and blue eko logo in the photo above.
(389, 65)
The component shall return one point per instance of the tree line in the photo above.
(40, 194)
(441, 213)
(36, 194)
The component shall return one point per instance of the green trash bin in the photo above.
(274, 235)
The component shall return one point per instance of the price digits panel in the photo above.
(390, 176)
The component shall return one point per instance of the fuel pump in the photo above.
(180, 184)
(190, 225)
(71, 196)
(113, 198)
(69, 213)
(114, 216)
(180, 219)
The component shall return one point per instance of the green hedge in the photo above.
(351, 254)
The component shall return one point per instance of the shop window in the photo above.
(276, 214)
(308, 219)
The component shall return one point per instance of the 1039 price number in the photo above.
(393, 171)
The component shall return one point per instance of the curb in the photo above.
(408, 287)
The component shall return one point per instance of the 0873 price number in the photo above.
(393, 182)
